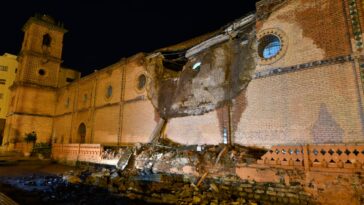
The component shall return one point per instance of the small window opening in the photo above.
(109, 91)
(196, 66)
(41, 71)
(142, 79)
(47, 40)
(69, 80)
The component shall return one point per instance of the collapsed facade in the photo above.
(288, 74)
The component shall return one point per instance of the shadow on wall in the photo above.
(326, 129)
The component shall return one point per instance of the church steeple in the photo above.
(41, 52)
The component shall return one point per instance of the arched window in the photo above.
(47, 40)
(82, 133)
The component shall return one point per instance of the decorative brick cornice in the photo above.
(303, 66)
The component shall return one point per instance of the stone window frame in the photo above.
(284, 44)
(136, 82)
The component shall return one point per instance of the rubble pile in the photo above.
(181, 189)
(167, 172)
(170, 157)
(114, 152)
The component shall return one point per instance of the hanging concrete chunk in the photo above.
(214, 71)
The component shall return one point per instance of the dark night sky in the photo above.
(102, 33)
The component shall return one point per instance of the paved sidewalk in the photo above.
(15, 164)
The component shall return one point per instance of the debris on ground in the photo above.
(166, 172)
(170, 157)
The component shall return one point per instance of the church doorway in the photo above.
(82, 133)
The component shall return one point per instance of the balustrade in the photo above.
(316, 156)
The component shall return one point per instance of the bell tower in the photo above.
(34, 92)
(41, 52)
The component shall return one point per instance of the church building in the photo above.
(291, 73)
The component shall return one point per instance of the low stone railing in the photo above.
(316, 157)
(77, 152)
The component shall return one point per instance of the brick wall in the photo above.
(67, 74)
(111, 77)
(26, 102)
(133, 71)
(201, 129)
(62, 129)
(139, 121)
(19, 125)
(106, 125)
(315, 30)
(34, 37)
(319, 104)
(124, 117)
(65, 99)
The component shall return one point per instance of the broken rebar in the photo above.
(217, 160)
(202, 178)
(220, 154)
